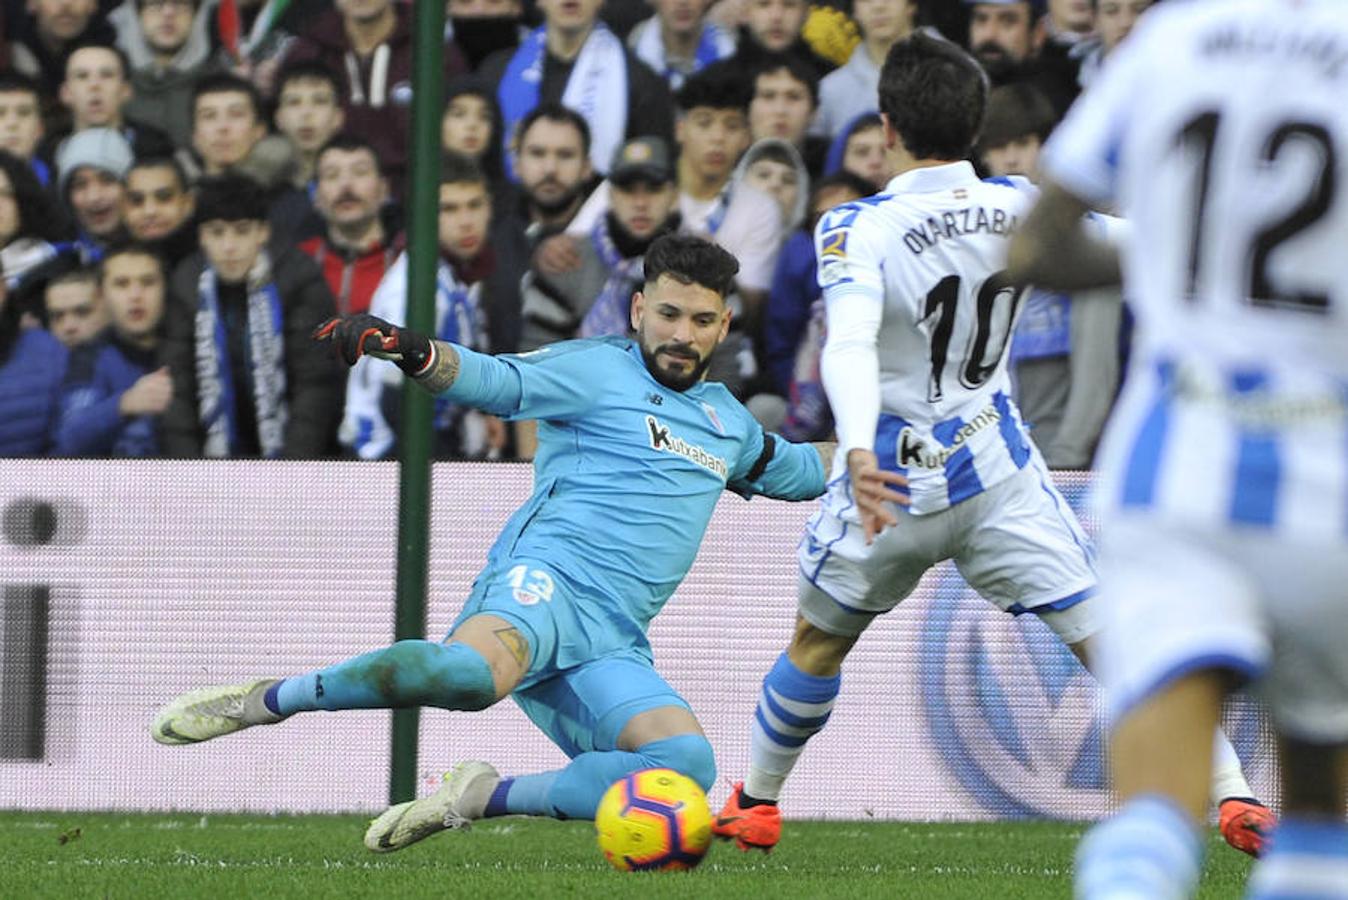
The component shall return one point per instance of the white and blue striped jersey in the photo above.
(1220, 129)
(920, 316)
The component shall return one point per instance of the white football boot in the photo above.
(214, 711)
(461, 799)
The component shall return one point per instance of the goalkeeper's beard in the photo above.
(675, 381)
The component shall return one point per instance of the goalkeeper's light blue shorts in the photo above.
(588, 675)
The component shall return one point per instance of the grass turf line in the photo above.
(118, 855)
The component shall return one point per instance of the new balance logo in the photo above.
(655, 399)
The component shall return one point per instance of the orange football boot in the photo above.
(758, 827)
(1246, 824)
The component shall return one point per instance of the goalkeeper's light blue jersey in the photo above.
(628, 471)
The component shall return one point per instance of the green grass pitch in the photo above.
(116, 855)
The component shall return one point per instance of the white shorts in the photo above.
(1018, 544)
(1275, 611)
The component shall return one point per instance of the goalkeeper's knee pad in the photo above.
(689, 754)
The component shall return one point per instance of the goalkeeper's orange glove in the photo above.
(364, 335)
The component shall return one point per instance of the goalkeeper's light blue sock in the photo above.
(793, 708)
(1149, 849)
(408, 673)
(574, 792)
(1308, 860)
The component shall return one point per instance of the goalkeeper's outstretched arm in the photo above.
(439, 367)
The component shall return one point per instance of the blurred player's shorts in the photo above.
(1182, 599)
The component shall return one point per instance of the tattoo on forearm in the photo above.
(443, 372)
(826, 449)
(515, 643)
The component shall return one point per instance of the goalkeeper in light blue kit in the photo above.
(635, 448)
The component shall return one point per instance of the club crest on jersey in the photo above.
(663, 439)
(715, 419)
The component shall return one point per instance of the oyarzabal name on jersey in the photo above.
(913, 450)
(663, 439)
(970, 220)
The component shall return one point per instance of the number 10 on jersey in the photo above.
(984, 335)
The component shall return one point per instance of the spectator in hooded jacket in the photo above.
(167, 43)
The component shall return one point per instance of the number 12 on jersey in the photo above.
(984, 335)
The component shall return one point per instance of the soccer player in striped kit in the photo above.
(1220, 129)
(920, 312)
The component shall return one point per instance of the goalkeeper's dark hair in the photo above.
(691, 260)
(230, 198)
(934, 95)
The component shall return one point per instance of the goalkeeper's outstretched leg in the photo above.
(480, 662)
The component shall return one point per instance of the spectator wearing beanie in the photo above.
(90, 168)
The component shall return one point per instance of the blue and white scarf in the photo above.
(713, 44)
(456, 321)
(266, 358)
(597, 89)
(611, 312)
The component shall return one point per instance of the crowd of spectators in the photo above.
(189, 187)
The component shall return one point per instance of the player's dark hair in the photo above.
(795, 65)
(225, 83)
(691, 260)
(307, 70)
(933, 94)
(116, 51)
(554, 112)
(349, 143)
(455, 168)
(230, 198)
(161, 162)
(1015, 111)
(131, 248)
(721, 85)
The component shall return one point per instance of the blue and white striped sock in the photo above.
(1149, 850)
(792, 708)
(1308, 860)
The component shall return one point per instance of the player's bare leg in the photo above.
(482, 662)
(798, 696)
(1245, 823)
(1162, 758)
